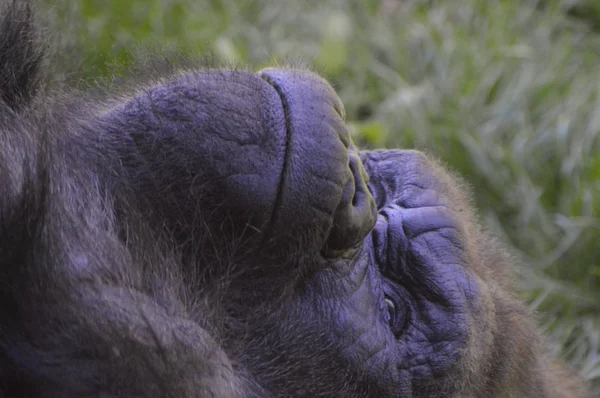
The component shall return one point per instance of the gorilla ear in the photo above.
(356, 214)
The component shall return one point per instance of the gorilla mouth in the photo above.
(286, 156)
(318, 148)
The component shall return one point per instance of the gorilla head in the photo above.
(217, 233)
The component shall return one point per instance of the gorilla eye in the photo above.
(391, 308)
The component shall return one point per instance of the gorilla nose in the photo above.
(323, 188)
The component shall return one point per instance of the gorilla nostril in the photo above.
(359, 180)
(338, 107)
(356, 213)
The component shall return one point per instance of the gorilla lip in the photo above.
(284, 171)
(318, 149)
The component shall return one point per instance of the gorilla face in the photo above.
(217, 233)
(385, 275)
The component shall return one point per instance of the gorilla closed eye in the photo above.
(173, 246)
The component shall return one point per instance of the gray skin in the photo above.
(217, 233)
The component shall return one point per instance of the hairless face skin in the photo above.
(217, 233)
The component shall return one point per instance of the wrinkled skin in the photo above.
(217, 233)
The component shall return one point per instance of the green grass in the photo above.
(505, 92)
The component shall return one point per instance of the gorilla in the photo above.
(216, 233)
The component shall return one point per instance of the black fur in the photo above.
(96, 297)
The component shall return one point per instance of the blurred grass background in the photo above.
(505, 92)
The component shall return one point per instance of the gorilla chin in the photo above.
(217, 233)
